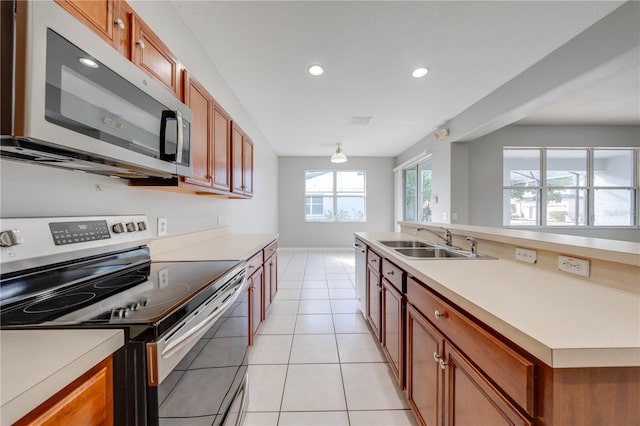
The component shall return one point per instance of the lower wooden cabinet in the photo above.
(374, 289)
(270, 280)
(470, 398)
(424, 374)
(262, 277)
(86, 401)
(393, 329)
(255, 288)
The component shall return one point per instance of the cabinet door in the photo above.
(221, 149)
(470, 397)
(201, 103)
(99, 15)
(86, 401)
(270, 280)
(256, 282)
(247, 165)
(237, 185)
(393, 329)
(424, 374)
(374, 289)
(150, 54)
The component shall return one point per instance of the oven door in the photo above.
(198, 368)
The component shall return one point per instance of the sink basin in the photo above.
(405, 244)
(439, 253)
(429, 253)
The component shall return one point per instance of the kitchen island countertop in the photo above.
(563, 321)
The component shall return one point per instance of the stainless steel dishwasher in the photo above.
(361, 275)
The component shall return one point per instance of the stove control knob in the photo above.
(118, 228)
(131, 227)
(142, 226)
(10, 238)
(145, 302)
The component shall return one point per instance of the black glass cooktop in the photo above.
(89, 293)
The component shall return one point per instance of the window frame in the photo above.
(419, 199)
(589, 189)
(334, 194)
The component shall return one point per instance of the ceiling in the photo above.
(368, 49)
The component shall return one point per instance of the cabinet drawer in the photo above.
(513, 373)
(373, 260)
(254, 263)
(393, 274)
(270, 250)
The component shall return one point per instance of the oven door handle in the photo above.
(184, 339)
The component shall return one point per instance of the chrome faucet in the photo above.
(447, 234)
(474, 246)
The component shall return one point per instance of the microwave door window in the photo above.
(103, 113)
(89, 98)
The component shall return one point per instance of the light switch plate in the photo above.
(525, 255)
(162, 226)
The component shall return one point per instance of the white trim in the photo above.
(413, 161)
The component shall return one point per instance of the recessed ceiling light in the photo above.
(420, 72)
(316, 70)
(87, 62)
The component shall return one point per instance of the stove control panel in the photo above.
(30, 242)
(78, 232)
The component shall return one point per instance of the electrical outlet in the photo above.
(162, 226)
(219, 219)
(524, 255)
(163, 277)
(573, 265)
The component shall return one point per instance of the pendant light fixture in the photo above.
(339, 156)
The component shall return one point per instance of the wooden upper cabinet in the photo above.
(201, 103)
(110, 19)
(220, 163)
(247, 165)
(236, 160)
(153, 56)
(241, 162)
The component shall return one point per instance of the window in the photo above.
(570, 187)
(335, 196)
(417, 192)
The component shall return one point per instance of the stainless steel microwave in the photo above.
(78, 104)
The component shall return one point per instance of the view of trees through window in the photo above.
(335, 196)
(570, 187)
(417, 192)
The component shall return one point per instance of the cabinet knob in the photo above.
(140, 43)
(119, 23)
(436, 357)
(440, 315)
(443, 363)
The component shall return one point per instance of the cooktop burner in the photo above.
(121, 281)
(57, 303)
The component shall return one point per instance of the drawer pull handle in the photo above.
(436, 357)
(443, 363)
(374, 260)
(440, 315)
(390, 273)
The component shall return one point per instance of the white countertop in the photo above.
(563, 321)
(35, 364)
(215, 244)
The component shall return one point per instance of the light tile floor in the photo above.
(315, 361)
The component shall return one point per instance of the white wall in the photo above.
(28, 191)
(295, 232)
(485, 167)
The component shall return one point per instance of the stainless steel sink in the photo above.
(428, 253)
(405, 243)
(438, 253)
